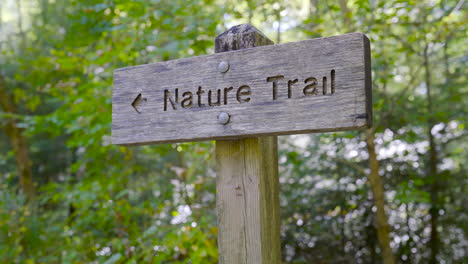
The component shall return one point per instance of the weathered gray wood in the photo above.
(240, 37)
(138, 115)
(247, 185)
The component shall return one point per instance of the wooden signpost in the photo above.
(243, 96)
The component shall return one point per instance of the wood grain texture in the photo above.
(247, 184)
(349, 107)
(240, 37)
(247, 201)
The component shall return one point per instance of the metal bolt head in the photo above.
(223, 118)
(223, 66)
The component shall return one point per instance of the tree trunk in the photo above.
(382, 227)
(18, 142)
(348, 24)
(278, 30)
(313, 12)
(432, 166)
(1, 17)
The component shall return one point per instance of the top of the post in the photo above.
(241, 37)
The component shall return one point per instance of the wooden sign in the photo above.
(316, 85)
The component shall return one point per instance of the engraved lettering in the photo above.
(290, 84)
(226, 90)
(310, 89)
(244, 90)
(218, 102)
(199, 94)
(187, 102)
(275, 80)
(167, 97)
(324, 85)
(332, 81)
(244, 93)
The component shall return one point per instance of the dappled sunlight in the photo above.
(391, 193)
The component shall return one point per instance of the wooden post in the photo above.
(247, 185)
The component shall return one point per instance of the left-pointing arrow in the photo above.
(138, 102)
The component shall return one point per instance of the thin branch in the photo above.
(352, 165)
(450, 140)
(399, 95)
(404, 43)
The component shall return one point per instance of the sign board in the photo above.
(316, 85)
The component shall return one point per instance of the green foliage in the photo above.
(102, 203)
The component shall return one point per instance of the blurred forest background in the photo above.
(68, 196)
